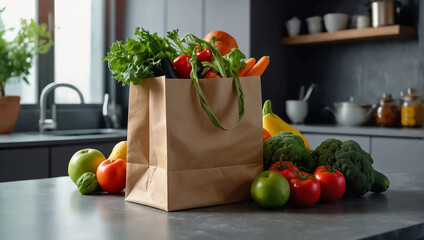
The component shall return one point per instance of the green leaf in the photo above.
(136, 59)
(234, 59)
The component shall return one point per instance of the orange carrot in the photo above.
(259, 67)
(249, 64)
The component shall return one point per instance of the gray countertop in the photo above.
(362, 130)
(35, 139)
(54, 209)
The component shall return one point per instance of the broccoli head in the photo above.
(289, 147)
(349, 158)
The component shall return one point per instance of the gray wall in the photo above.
(198, 17)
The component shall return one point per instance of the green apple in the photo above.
(85, 160)
(270, 189)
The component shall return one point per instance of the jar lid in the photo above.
(386, 98)
(411, 95)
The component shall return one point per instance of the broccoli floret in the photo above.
(289, 147)
(349, 158)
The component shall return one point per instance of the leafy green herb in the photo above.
(137, 58)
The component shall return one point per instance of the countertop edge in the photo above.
(362, 131)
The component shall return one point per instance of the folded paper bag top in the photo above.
(177, 159)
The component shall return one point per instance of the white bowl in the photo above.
(296, 110)
(335, 21)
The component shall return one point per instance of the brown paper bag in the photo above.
(177, 159)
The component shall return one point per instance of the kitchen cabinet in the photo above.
(398, 154)
(22, 164)
(33, 155)
(61, 155)
(42, 162)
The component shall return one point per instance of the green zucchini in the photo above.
(381, 182)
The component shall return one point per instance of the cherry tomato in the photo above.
(305, 190)
(266, 134)
(111, 175)
(211, 74)
(333, 183)
(182, 66)
(205, 55)
(285, 168)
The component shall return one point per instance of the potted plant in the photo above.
(16, 58)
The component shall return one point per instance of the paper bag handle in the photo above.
(205, 105)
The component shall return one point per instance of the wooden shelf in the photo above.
(386, 32)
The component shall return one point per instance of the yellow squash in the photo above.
(274, 124)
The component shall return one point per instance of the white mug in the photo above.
(314, 24)
(293, 26)
(296, 110)
(362, 22)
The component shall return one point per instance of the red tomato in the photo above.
(111, 175)
(305, 190)
(266, 134)
(285, 168)
(205, 55)
(211, 74)
(333, 183)
(182, 66)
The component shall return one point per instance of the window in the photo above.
(79, 45)
(79, 48)
(11, 19)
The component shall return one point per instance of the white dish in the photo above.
(334, 22)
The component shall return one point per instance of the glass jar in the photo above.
(412, 110)
(387, 114)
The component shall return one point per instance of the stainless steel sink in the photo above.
(83, 132)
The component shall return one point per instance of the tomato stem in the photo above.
(282, 167)
(303, 177)
(110, 161)
(330, 169)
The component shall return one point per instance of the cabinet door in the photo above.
(62, 154)
(316, 139)
(398, 154)
(24, 163)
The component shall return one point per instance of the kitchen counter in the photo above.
(36, 139)
(362, 130)
(54, 209)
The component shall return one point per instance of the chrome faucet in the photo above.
(44, 123)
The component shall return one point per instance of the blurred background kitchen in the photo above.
(361, 66)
